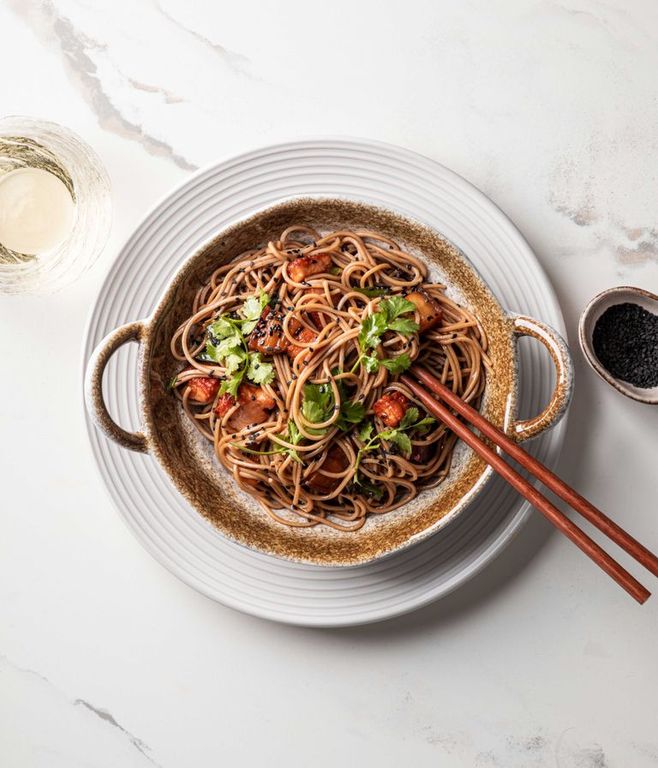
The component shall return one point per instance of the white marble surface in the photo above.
(105, 659)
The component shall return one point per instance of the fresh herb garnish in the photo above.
(386, 318)
(319, 404)
(173, 382)
(396, 435)
(371, 489)
(372, 293)
(350, 414)
(226, 345)
(252, 310)
(294, 436)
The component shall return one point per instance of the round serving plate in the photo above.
(169, 528)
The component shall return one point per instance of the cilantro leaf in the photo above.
(386, 318)
(372, 293)
(372, 329)
(233, 384)
(233, 361)
(252, 310)
(230, 345)
(226, 345)
(397, 437)
(404, 326)
(350, 414)
(222, 328)
(318, 403)
(423, 426)
(396, 306)
(371, 363)
(410, 417)
(395, 364)
(291, 435)
(365, 433)
(371, 489)
(258, 370)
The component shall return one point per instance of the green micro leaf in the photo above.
(371, 363)
(252, 310)
(258, 370)
(365, 433)
(233, 384)
(372, 293)
(410, 417)
(396, 364)
(395, 306)
(372, 329)
(424, 425)
(350, 414)
(372, 489)
(404, 326)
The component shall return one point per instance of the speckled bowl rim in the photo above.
(474, 473)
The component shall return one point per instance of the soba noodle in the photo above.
(318, 320)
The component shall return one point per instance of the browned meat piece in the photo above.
(302, 334)
(429, 309)
(251, 393)
(267, 337)
(255, 404)
(391, 407)
(420, 454)
(335, 462)
(224, 404)
(306, 266)
(202, 389)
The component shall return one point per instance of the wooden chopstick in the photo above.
(518, 482)
(579, 503)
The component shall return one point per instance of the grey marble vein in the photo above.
(76, 47)
(235, 61)
(643, 245)
(109, 718)
(630, 244)
(103, 714)
(168, 96)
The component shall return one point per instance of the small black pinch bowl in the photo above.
(590, 316)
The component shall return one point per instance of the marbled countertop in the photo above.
(106, 659)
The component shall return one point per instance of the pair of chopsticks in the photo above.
(613, 531)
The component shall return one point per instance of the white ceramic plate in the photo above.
(176, 535)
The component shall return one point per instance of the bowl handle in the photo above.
(93, 387)
(561, 397)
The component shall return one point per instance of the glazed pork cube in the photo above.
(335, 462)
(429, 309)
(254, 407)
(301, 333)
(306, 266)
(391, 407)
(202, 389)
(268, 337)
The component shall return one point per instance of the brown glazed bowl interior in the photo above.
(189, 459)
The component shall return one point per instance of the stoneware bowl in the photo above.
(188, 459)
(588, 320)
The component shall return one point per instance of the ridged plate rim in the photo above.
(287, 582)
